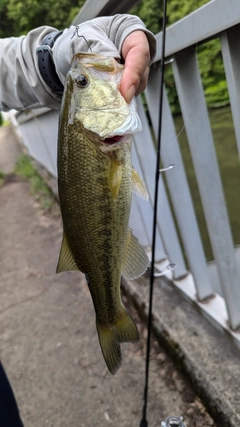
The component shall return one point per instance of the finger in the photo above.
(136, 53)
(143, 82)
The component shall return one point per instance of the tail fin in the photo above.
(110, 338)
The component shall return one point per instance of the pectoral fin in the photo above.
(135, 261)
(66, 261)
(115, 178)
(138, 186)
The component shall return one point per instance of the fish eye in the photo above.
(81, 80)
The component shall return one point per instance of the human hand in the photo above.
(136, 53)
(137, 49)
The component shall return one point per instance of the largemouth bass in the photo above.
(96, 180)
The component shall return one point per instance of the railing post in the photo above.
(166, 227)
(195, 115)
(178, 187)
(230, 41)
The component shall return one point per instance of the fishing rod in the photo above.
(170, 421)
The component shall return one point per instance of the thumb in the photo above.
(136, 53)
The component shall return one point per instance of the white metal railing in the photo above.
(218, 18)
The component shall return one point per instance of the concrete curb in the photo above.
(204, 354)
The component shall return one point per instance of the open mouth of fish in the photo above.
(113, 139)
(124, 132)
(113, 142)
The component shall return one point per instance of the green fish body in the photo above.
(95, 181)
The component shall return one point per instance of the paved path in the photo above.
(49, 345)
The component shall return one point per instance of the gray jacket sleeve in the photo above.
(21, 85)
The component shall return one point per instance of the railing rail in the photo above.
(183, 244)
(207, 22)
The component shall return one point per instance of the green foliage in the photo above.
(1, 120)
(208, 54)
(177, 10)
(57, 14)
(171, 90)
(150, 11)
(2, 177)
(24, 168)
(19, 17)
(212, 72)
(7, 27)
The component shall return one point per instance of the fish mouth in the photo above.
(113, 142)
(113, 139)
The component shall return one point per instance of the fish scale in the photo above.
(90, 224)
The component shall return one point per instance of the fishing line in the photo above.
(76, 33)
(171, 421)
(144, 422)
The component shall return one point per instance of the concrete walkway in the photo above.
(49, 345)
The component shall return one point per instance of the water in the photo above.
(229, 165)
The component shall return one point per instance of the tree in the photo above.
(150, 11)
(19, 17)
(7, 27)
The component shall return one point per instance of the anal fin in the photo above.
(135, 261)
(138, 185)
(66, 261)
